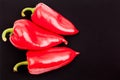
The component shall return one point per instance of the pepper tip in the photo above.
(65, 42)
(77, 53)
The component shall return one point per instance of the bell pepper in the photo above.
(26, 35)
(46, 17)
(43, 61)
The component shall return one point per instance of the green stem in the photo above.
(27, 9)
(15, 68)
(8, 30)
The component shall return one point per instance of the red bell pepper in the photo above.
(47, 60)
(26, 35)
(51, 20)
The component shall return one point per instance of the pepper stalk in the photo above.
(8, 30)
(15, 68)
(27, 9)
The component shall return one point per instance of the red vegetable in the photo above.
(26, 35)
(51, 20)
(47, 60)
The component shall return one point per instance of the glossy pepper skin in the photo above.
(47, 60)
(26, 35)
(46, 17)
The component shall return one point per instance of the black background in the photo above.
(98, 40)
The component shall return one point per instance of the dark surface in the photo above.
(98, 40)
